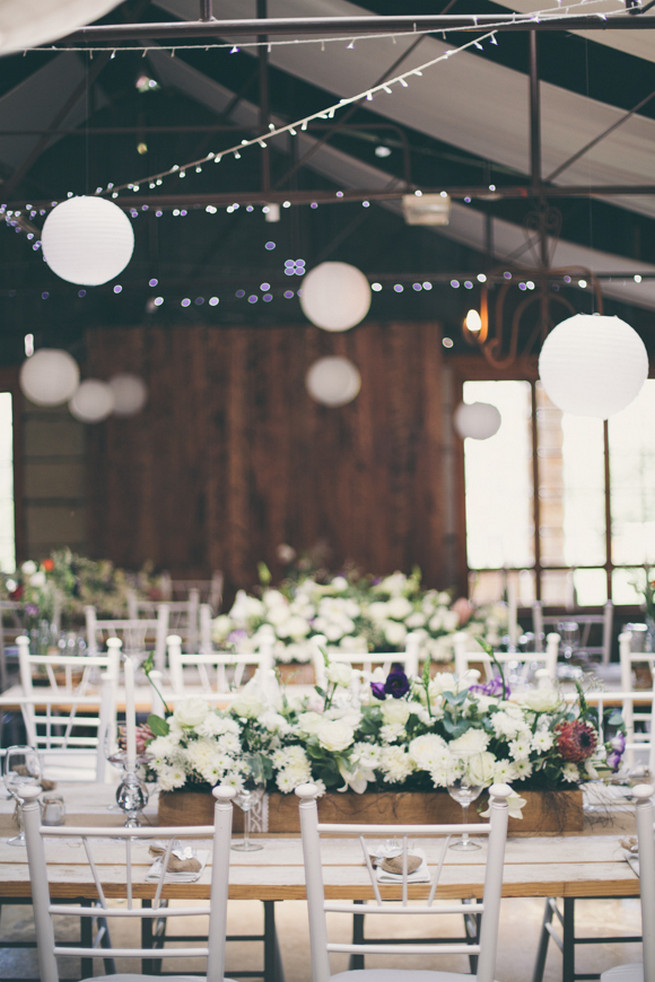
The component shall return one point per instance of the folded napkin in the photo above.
(389, 869)
(185, 865)
(631, 852)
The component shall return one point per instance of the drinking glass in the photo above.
(22, 766)
(569, 632)
(249, 794)
(465, 785)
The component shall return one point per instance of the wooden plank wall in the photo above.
(232, 457)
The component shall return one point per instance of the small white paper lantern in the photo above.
(335, 296)
(592, 365)
(49, 377)
(26, 23)
(130, 393)
(333, 381)
(478, 420)
(87, 240)
(92, 402)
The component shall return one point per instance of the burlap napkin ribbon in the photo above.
(179, 861)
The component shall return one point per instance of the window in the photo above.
(567, 500)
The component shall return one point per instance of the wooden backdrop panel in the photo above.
(231, 457)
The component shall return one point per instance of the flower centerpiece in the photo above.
(386, 734)
(353, 611)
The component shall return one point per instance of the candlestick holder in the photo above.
(132, 797)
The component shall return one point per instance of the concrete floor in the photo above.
(519, 933)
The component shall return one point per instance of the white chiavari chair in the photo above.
(209, 591)
(588, 623)
(521, 665)
(645, 814)
(118, 862)
(637, 706)
(138, 635)
(183, 616)
(324, 842)
(365, 663)
(218, 675)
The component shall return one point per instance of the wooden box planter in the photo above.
(544, 813)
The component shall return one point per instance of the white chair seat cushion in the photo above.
(624, 973)
(399, 975)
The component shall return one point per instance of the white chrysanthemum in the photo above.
(392, 732)
(395, 764)
(542, 740)
(172, 777)
(163, 746)
(285, 782)
(246, 608)
(378, 611)
(366, 755)
(506, 725)
(229, 743)
(428, 751)
(570, 773)
(504, 771)
(521, 747)
(275, 722)
(524, 769)
(214, 725)
(415, 620)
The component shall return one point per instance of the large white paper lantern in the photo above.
(49, 377)
(592, 365)
(333, 381)
(92, 402)
(478, 420)
(87, 240)
(130, 393)
(26, 23)
(335, 296)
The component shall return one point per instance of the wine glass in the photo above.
(22, 766)
(464, 785)
(569, 632)
(249, 794)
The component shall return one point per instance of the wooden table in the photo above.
(591, 864)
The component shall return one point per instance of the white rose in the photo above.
(37, 579)
(395, 711)
(28, 567)
(396, 634)
(471, 742)
(541, 700)
(339, 673)
(335, 735)
(191, 712)
(248, 702)
(221, 627)
(378, 610)
(309, 722)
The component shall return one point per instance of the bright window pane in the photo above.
(632, 452)
(498, 474)
(571, 486)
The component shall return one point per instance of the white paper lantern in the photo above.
(87, 240)
(92, 402)
(333, 381)
(26, 23)
(478, 420)
(130, 393)
(49, 377)
(591, 365)
(335, 296)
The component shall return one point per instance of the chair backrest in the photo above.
(637, 707)
(522, 664)
(118, 863)
(364, 841)
(603, 620)
(71, 731)
(209, 591)
(365, 661)
(65, 674)
(183, 615)
(217, 673)
(139, 635)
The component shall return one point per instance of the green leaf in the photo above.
(158, 725)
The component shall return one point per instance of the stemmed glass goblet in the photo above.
(464, 786)
(249, 794)
(22, 766)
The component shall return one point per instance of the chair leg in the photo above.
(544, 938)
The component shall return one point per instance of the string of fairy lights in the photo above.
(21, 218)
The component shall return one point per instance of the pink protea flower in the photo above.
(576, 740)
